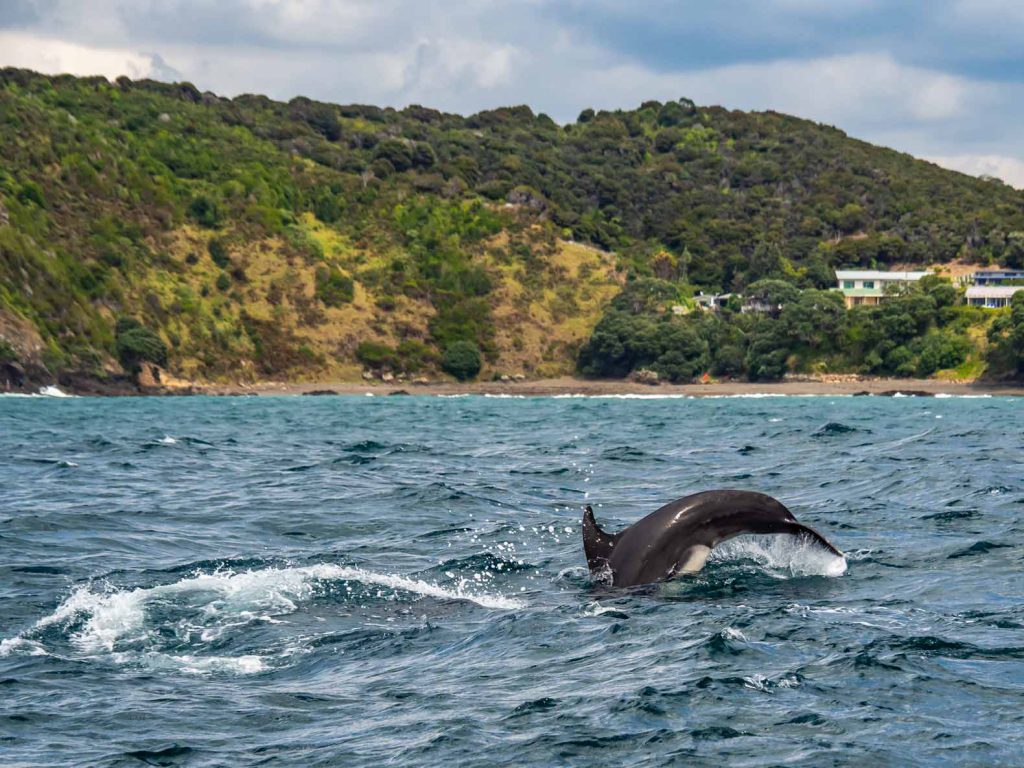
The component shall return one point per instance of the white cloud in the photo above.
(864, 89)
(54, 56)
(1008, 169)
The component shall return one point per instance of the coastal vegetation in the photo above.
(246, 239)
(915, 333)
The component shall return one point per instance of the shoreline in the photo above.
(566, 386)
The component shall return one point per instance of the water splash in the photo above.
(53, 391)
(782, 555)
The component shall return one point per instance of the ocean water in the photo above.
(400, 581)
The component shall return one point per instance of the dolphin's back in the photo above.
(678, 537)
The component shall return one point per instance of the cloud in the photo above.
(1008, 169)
(55, 56)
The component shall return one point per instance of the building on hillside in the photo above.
(998, 276)
(869, 286)
(991, 296)
(760, 306)
(711, 301)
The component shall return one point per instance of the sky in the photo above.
(940, 79)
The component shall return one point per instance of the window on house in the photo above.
(848, 284)
(869, 283)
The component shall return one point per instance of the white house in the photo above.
(991, 296)
(868, 286)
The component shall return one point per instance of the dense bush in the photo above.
(462, 360)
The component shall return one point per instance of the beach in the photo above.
(566, 386)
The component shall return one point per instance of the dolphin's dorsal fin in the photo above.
(597, 545)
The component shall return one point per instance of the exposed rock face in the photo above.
(83, 383)
(12, 377)
(5, 217)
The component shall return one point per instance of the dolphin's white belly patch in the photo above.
(696, 556)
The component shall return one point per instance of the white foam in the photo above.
(120, 616)
(115, 621)
(24, 645)
(625, 396)
(792, 555)
(53, 391)
(167, 440)
(202, 665)
(596, 609)
(731, 633)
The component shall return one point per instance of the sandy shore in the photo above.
(571, 386)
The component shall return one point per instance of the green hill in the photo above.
(248, 239)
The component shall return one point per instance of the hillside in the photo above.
(248, 239)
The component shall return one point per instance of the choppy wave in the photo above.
(129, 623)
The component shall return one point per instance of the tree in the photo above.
(814, 319)
(766, 261)
(462, 360)
(684, 352)
(766, 356)
(397, 152)
(137, 344)
(619, 344)
(941, 350)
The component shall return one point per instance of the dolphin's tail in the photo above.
(597, 545)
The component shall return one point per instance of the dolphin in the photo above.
(678, 537)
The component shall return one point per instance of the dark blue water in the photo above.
(361, 581)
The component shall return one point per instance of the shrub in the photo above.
(219, 252)
(223, 281)
(138, 344)
(334, 287)
(413, 355)
(374, 354)
(462, 360)
(203, 210)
